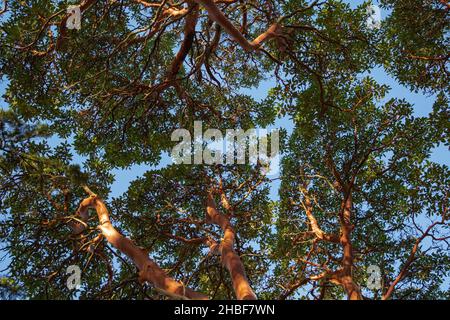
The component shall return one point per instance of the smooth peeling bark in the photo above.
(230, 258)
(189, 34)
(318, 232)
(216, 15)
(412, 256)
(148, 269)
(345, 277)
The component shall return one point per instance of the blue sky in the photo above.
(422, 106)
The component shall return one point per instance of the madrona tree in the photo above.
(358, 190)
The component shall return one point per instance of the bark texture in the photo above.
(230, 258)
(148, 269)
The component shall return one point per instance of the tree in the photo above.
(8, 290)
(358, 188)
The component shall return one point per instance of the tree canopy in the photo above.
(358, 188)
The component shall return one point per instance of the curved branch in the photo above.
(149, 270)
(189, 33)
(230, 258)
(410, 260)
(217, 15)
(318, 232)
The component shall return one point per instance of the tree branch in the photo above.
(149, 270)
(230, 258)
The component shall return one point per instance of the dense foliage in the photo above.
(357, 186)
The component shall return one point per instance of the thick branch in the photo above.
(216, 15)
(230, 258)
(318, 232)
(5, 7)
(345, 277)
(149, 270)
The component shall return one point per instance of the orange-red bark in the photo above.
(230, 258)
(148, 269)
